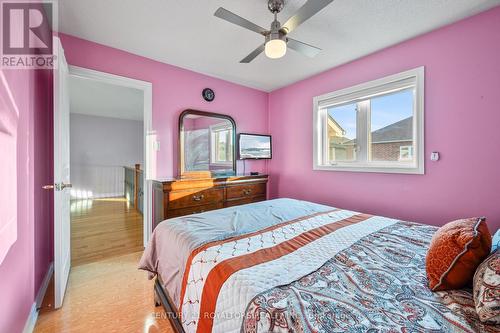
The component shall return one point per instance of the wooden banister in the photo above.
(136, 185)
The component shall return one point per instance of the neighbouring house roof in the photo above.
(400, 131)
(397, 132)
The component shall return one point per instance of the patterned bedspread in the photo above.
(376, 285)
(334, 271)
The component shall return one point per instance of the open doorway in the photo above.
(95, 237)
(109, 123)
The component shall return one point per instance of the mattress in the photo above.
(292, 266)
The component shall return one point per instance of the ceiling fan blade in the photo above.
(253, 54)
(309, 9)
(305, 49)
(238, 20)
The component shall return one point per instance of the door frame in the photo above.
(149, 140)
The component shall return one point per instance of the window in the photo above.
(221, 145)
(372, 127)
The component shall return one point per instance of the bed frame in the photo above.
(162, 298)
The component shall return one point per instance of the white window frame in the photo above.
(393, 83)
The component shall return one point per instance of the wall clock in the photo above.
(208, 94)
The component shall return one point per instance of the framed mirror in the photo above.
(206, 144)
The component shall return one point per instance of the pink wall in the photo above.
(462, 89)
(174, 90)
(43, 159)
(16, 271)
(27, 261)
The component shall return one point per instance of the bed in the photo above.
(286, 265)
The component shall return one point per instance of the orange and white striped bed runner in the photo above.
(222, 277)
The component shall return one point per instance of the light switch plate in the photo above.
(156, 145)
(434, 156)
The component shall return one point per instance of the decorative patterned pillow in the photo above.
(487, 289)
(456, 250)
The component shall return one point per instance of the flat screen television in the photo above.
(254, 146)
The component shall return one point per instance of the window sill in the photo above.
(371, 168)
(220, 164)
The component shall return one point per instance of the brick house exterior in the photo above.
(388, 151)
(390, 143)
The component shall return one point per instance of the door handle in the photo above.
(62, 186)
(57, 187)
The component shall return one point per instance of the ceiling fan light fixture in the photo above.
(276, 40)
(275, 48)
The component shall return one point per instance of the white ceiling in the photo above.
(186, 34)
(96, 98)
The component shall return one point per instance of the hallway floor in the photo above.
(104, 228)
(111, 295)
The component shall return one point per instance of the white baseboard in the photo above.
(29, 326)
(31, 321)
(43, 287)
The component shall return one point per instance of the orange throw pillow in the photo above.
(456, 251)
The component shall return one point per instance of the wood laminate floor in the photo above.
(104, 228)
(111, 295)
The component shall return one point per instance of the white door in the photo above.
(62, 250)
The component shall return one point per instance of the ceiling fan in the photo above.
(276, 40)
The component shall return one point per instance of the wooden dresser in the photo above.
(178, 197)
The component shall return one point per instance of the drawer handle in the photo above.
(247, 192)
(198, 197)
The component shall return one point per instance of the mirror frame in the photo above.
(197, 174)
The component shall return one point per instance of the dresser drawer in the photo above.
(185, 196)
(245, 191)
(184, 199)
(193, 210)
(244, 201)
